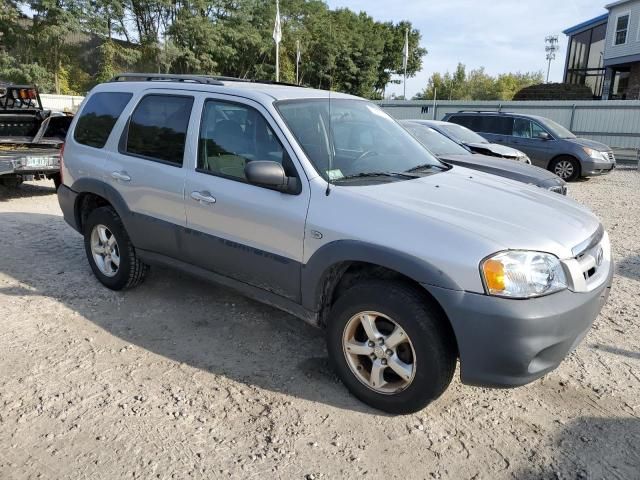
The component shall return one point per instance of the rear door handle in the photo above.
(203, 197)
(121, 176)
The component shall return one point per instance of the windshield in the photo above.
(557, 130)
(356, 138)
(461, 134)
(437, 143)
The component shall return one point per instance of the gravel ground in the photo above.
(181, 379)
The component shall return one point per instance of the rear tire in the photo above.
(567, 168)
(111, 254)
(392, 375)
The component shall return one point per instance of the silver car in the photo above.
(322, 205)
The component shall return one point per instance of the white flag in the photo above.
(277, 29)
(405, 52)
(298, 54)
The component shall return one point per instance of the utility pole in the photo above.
(551, 48)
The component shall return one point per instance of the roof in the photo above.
(588, 24)
(249, 89)
(615, 4)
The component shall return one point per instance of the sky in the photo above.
(501, 35)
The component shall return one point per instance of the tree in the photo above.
(77, 43)
(477, 85)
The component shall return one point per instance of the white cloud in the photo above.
(501, 35)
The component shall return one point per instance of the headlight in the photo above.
(595, 154)
(522, 274)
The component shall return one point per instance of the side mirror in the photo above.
(270, 175)
(544, 136)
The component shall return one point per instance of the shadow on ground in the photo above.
(629, 267)
(592, 448)
(173, 315)
(25, 190)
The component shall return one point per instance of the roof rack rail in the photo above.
(479, 111)
(206, 79)
(165, 77)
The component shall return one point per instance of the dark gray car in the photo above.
(450, 152)
(547, 143)
(474, 143)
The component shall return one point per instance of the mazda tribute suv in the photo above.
(320, 204)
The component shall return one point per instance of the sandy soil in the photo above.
(181, 379)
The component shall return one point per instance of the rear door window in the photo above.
(470, 121)
(99, 116)
(158, 128)
(495, 124)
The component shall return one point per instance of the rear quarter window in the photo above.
(99, 116)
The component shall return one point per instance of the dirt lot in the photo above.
(181, 379)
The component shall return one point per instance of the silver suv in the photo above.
(322, 205)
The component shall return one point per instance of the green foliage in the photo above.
(71, 45)
(555, 91)
(24, 73)
(477, 85)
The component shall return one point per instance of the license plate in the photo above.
(40, 161)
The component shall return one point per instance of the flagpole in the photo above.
(297, 62)
(277, 37)
(406, 60)
(277, 62)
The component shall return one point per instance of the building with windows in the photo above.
(604, 53)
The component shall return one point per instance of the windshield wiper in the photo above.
(377, 174)
(426, 166)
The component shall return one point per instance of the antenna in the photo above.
(330, 132)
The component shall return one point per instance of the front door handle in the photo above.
(121, 176)
(203, 197)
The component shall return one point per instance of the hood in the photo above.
(495, 149)
(583, 142)
(507, 214)
(518, 171)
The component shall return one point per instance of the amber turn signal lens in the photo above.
(494, 275)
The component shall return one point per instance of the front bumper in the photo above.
(508, 343)
(592, 169)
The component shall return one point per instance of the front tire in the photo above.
(391, 347)
(111, 254)
(567, 168)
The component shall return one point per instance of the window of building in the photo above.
(99, 116)
(231, 135)
(585, 62)
(158, 128)
(622, 28)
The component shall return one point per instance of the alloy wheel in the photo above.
(564, 169)
(379, 352)
(105, 250)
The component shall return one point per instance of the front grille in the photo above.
(591, 264)
(612, 157)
